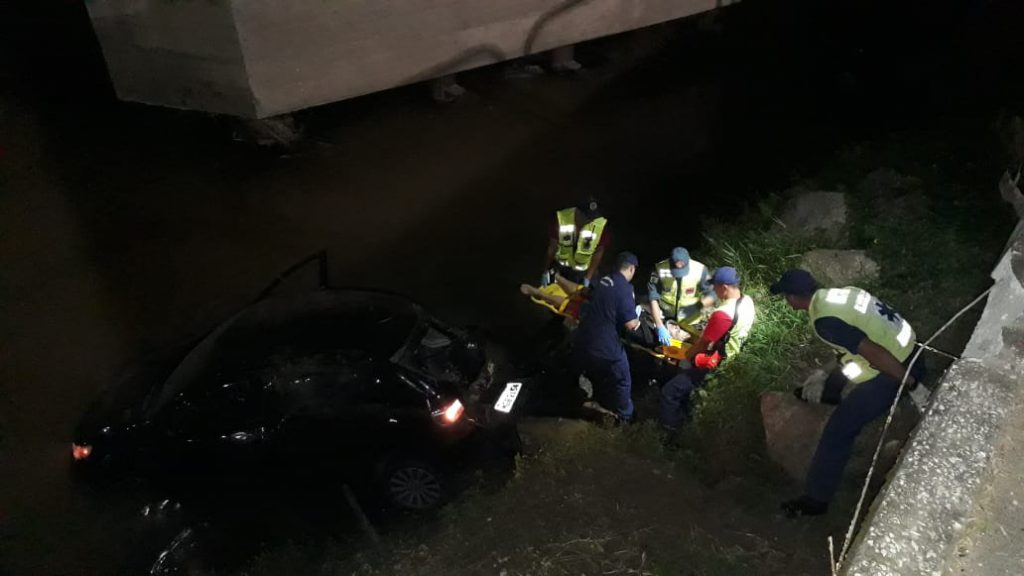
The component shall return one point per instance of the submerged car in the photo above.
(351, 387)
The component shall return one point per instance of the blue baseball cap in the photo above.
(627, 258)
(726, 275)
(679, 254)
(795, 281)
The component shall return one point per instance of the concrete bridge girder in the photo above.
(260, 58)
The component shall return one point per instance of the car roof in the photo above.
(376, 322)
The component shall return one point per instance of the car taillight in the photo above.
(450, 414)
(80, 451)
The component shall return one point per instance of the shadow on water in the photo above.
(127, 228)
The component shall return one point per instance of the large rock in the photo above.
(840, 267)
(792, 429)
(819, 214)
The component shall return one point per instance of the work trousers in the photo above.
(675, 397)
(613, 385)
(570, 274)
(867, 401)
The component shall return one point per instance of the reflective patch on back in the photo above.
(863, 300)
(837, 295)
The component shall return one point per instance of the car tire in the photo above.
(412, 484)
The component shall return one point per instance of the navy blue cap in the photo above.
(679, 254)
(589, 207)
(795, 281)
(627, 258)
(726, 275)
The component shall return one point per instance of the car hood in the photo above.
(119, 404)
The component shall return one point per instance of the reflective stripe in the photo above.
(904, 336)
(838, 295)
(580, 267)
(567, 229)
(587, 234)
(677, 294)
(851, 370)
(863, 299)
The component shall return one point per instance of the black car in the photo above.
(353, 387)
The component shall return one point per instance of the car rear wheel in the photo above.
(412, 484)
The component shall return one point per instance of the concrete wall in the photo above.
(955, 481)
(180, 54)
(259, 58)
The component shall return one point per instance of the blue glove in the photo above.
(545, 279)
(586, 282)
(663, 336)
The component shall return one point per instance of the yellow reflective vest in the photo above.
(676, 295)
(744, 306)
(576, 247)
(880, 323)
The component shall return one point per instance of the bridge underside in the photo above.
(259, 58)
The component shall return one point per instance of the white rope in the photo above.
(939, 352)
(892, 410)
(832, 556)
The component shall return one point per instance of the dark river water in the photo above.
(124, 228)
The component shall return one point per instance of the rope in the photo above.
(939, 352)
(888, 419)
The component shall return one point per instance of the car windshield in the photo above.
(378, 324)
(436, 351)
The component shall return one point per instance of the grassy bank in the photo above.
(597, 501)
(924, 206)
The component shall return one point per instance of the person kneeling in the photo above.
(722, 338)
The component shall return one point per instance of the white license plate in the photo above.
(508, 397)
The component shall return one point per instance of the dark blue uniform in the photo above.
(868, 401)
(598, 352)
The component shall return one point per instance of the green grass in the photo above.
(777, 351)
(920, 206)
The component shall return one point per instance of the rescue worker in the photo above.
(679, 290)
(598, 352)
(576, 249)
(723, 337)
(873, 344)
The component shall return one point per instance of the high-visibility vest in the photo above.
(576, 250)
(744, 306)
(675, 295)
(880, 323)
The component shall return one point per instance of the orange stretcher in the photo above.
(673, 353)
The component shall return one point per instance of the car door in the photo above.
(221, 427)
(317, 395)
